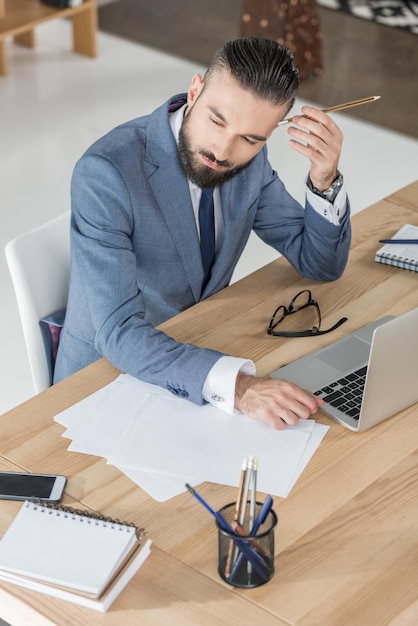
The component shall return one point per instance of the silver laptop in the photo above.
(366, 377)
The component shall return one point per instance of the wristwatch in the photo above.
(331, 193)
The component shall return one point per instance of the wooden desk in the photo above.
(346, 543)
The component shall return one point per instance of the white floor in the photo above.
(54, 104)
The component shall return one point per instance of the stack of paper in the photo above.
(161, 442)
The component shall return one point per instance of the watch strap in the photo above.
(331, 193)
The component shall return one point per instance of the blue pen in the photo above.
(246, 550)
(262, 516)
(413, 241)
(259, 520)
(218, 516)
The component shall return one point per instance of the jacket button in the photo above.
(181, 393)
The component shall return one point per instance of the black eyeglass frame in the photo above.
(312, 332)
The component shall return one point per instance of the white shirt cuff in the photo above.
(219, 386)
(333, 212)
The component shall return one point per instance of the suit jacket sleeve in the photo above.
(316, 248)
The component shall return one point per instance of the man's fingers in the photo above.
(275, 401)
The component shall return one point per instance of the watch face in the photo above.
(334, 189)
(336, 184)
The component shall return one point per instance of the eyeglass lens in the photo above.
(307, 316)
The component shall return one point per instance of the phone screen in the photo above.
(26, 486)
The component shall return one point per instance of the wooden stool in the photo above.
(293, 23)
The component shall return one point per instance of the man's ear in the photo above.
(195, 89)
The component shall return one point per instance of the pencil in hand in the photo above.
(338, 107)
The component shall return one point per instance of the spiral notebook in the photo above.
(70, 554)
(403, 255)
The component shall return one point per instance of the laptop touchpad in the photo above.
(346, 355)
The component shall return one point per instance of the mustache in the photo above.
(211, 157)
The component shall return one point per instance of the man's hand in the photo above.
(322, 141)
(274, 401)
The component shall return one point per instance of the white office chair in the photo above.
(39, 264)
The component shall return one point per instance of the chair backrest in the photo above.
(39, 264)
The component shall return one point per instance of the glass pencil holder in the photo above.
(243, 560)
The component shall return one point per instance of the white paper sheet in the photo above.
(174, 436)
(318, 433)
(161, 487)
(161, 442)
(96, 424)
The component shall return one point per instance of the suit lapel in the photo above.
(172, 194)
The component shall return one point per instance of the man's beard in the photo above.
(196, 171)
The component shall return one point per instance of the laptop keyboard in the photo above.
(346, 393)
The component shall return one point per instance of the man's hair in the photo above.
(259, 65)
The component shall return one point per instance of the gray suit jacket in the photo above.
(135, 255)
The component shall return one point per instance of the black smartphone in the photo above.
(22, 486)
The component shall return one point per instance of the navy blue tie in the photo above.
(207, 232)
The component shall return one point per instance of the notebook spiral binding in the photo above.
(139, 532)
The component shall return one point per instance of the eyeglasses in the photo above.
(301, 301)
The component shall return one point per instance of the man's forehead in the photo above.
(230, 101)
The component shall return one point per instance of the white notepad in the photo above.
(402, 255)
(67, 551)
